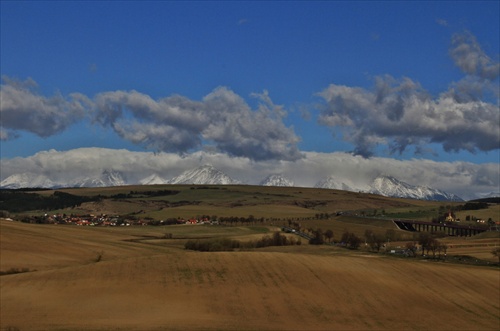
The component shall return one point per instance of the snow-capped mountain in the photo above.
(27, 180)
(392, 187)
(277, 180)
(332, 183)
(107, 178)
(206, 174)
(154, 179)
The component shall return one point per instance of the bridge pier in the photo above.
(450, 229)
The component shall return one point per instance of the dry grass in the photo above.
(238, 200)
(148, 286)
(493, 212)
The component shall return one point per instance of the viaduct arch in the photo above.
(448, 228)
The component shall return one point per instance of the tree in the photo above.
(443, 248)
(329, 235)
(317, 238)
(411, 247)
(354, 241)
(251, 219)
(345, 238)
(377, 242)
(278, 239)
(433, 245)
(350, 240)
(424, 239)
(374, 240)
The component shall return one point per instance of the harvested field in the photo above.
(143, 286)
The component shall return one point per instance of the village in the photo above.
(111, 220)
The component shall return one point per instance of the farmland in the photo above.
(137, 278)
(238, 200)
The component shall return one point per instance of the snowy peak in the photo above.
(392, 187)
(332, 183)
(27, 180)
(277, 180)
(208, 175)
(107, 178)
(204, 175)
(114, 178)
(154, 179)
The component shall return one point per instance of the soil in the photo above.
(95, 279)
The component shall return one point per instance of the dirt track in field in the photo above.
(143, 287)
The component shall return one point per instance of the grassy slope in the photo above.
(139, 286)
(267, 202)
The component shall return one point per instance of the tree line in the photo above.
(18, 201)
(226, 244)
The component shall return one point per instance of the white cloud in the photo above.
(462, 178)
(24, 109)
(395, 113)
(223, 120)
(400, 113)
(178, 124)
(471, 59)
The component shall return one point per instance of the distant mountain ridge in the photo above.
(107, 178)
(334, 184)
(206, 174)
(392, 187)
(26, 179)
(209, 175)
(154, 179)
(277, 180)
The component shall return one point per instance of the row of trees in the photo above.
(15, 201)
(426, 240)
(318, 236)
(429, 243)
(225, 244)
(350, 240)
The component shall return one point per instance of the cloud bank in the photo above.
(178, 124)
(22, 108)
(471, 59)
(465, 179)
(397, 113)
(222, 120)
(401, 113)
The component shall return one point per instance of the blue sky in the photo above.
(309, 69)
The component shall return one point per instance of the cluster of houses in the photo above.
(109, 220)
(451, 218)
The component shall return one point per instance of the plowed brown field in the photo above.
(139, 286)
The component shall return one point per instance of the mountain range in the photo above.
(206, 174)
(209, 175)
(23, 180)
(277, 180)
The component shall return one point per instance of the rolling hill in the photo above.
(102, 278)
